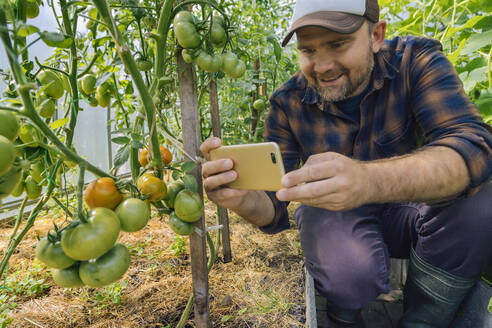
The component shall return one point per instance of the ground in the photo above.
(263, 286)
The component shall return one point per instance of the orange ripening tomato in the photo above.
(144, 157)
(102, 193)
(149, 184)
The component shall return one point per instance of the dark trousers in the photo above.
(348, 253)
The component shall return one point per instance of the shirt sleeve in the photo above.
(447, 115)
(277, 129)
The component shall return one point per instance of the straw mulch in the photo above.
(262, 287)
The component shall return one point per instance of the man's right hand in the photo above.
(252, 205)
(216, 175)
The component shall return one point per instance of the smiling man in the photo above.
(388, 157)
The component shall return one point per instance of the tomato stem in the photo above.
(80, 194)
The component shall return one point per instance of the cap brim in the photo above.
(344, 23)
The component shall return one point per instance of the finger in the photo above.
(309, 173)
(209, 144)
(223, 195)
(323, 157)
(311, 190)
(218, 166)
(215, 181)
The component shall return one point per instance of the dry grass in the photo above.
(262, 286)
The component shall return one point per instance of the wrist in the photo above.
(256, 208)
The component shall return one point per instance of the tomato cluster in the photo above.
(85, 252)
(10, 171)
(186, 206)
(186, 30)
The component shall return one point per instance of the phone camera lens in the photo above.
(274, 160)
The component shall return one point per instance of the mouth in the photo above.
(330, 80)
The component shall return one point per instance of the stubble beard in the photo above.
(349, 86)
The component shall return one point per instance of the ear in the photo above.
(378, 35)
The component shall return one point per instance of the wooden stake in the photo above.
(191, 140)
(223, 215)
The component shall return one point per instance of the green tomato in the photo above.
(28, 133)
(229, 62)
(37, 171)
(106, 269)
(217, 35)
(52, 254)
(188, 206)
(184, 16)
(66, 83)
(144, 65)
(104, 100)
(149, 22)
(88, 84)
(259, 104)
(133, 214)
(93, 238)
(7, 155)
(68, 277)
(179, 226)
(54, 83)
(187, 35)
(238, 70)
(10, 181)
(10, 125)
(173, 188)
(18, 190)
(47, 108)
(187, 56)
(32, 9)
(33, 190)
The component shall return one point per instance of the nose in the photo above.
(323, 64)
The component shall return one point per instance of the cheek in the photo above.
(305, 65)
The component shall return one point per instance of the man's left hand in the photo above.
(328, 180)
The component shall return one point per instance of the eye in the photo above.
(307, 51)
(337, 45)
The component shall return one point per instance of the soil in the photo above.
(263, 286)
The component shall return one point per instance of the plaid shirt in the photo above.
(414, 99)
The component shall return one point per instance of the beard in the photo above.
(349, 84)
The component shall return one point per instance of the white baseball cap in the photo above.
(341, 16)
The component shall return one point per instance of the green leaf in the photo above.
(469, 24)
(121, 156)
(489, 307)
(478, 41)
(226, 318)
(121, 140)
(24, 30)
(59, 123)
(176, 175)
(455, 54)
(55, 39)
(190, 182)
(188, 166)
(136, 144)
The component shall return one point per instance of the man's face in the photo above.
(336, 65)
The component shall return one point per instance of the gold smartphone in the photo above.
(258, 166)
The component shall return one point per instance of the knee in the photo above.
(354, 278)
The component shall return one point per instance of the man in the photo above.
(395, 163)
